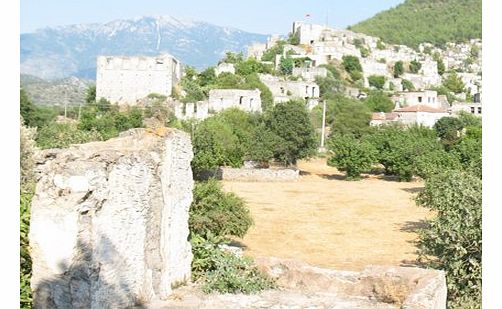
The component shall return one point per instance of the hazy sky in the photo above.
(261, 16)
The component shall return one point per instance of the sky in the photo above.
(259, 16)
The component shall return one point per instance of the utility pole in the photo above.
(322, 149)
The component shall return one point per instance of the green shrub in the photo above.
(290, 122)
(348, 116)
(351, 155)
(377, 81)
(352, 65)
(398, 148)
(407, 85)
(452, 241)
(224, 272)
(415, 66)
(62, 135)
(398, 69)
(448, 129)
(435, 162)
(214, 212)
(378, 101)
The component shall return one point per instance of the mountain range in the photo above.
(59, 52)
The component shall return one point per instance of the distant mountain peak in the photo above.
(61, 51)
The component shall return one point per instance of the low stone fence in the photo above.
(258, 174)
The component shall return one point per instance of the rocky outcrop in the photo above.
(109, 222)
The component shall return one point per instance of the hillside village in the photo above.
(318, 168)
(416, 89)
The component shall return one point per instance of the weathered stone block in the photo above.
(109, 221)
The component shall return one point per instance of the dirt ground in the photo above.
(327, 221)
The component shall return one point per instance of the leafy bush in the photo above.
(348, 116)
(398, 148)
(407, 85)
(351, 155)
(352, 65)
(62, 135)
(415, 66)
(452, 241)
(378, 101)
(224, 272)
(290, 122)
(448, 129)
(469, 152)
(286, 65)
(398, 69)
(377, 81)
(214, 212)
(35, 116)
(435, 162)
(454, 83)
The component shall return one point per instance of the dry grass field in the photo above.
(327, 221)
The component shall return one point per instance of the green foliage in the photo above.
(378, 101)
(26, 195)
(224, 272)
(448, 129)
(364, 52)
(348, 116)
(215, 145)
(193, 91)
(398, 148)
(351, 155)
(262, 144)
(214, 212)
(453, 83)
(328, 86)
(452, 241)
(252, 81)
(286, 65)
(251, 66)
(231, 57)
(436, 162)
(377, 81)
(62, 135)
(440, 64)
(206, 77)
(380, 45)
(410, 24)
(398, 69)
(352, 65)
(90, 94)
(277, 49)
(469, 152)
(469, 120)
(107, 120)
(35, 116)
(27, 179)
(415, 66)
(293, 39)
(290, 122)
(227, 80)
(407, 85)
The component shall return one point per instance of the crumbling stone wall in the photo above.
(258, 174)
(109, 221)
(247, 100)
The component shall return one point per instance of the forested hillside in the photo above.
(434, 21)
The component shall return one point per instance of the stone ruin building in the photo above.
(285, 90)
(126, 79)
(247, 100)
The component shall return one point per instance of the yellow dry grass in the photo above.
(327, 221)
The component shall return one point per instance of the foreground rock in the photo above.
(109, 222)
(305, 286)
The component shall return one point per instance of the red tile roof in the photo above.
(384, 116)
(420, 108)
